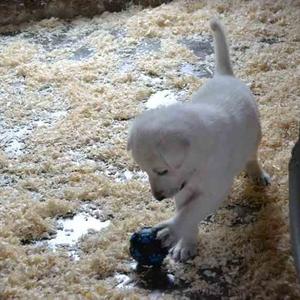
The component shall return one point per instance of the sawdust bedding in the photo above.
(68, 91)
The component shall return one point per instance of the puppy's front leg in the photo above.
(180, 232)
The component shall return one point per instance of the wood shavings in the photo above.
(68, 91)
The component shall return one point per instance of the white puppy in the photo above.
(193, 151)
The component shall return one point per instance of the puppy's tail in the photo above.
(223, 65)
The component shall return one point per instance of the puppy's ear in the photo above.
(173, 147)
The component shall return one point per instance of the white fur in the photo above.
(193, 151)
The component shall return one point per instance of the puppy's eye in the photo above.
(161, 173)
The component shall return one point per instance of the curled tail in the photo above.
(223, 65)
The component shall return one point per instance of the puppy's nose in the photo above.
(159, 195)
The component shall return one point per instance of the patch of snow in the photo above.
(161, 98)
(13, 139)
(124, 281)
(71, 229)
(74, 228)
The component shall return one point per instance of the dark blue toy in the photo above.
(146, 249)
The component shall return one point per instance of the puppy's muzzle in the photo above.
(182, 186)
(159, 195)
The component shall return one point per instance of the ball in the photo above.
(146, 249)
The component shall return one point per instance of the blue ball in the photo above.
(146, 249)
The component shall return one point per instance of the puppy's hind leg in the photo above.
(256, 172)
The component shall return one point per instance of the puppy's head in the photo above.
(161, 146)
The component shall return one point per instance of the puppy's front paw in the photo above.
(184, 250)
(263, 179)
(166, 232)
